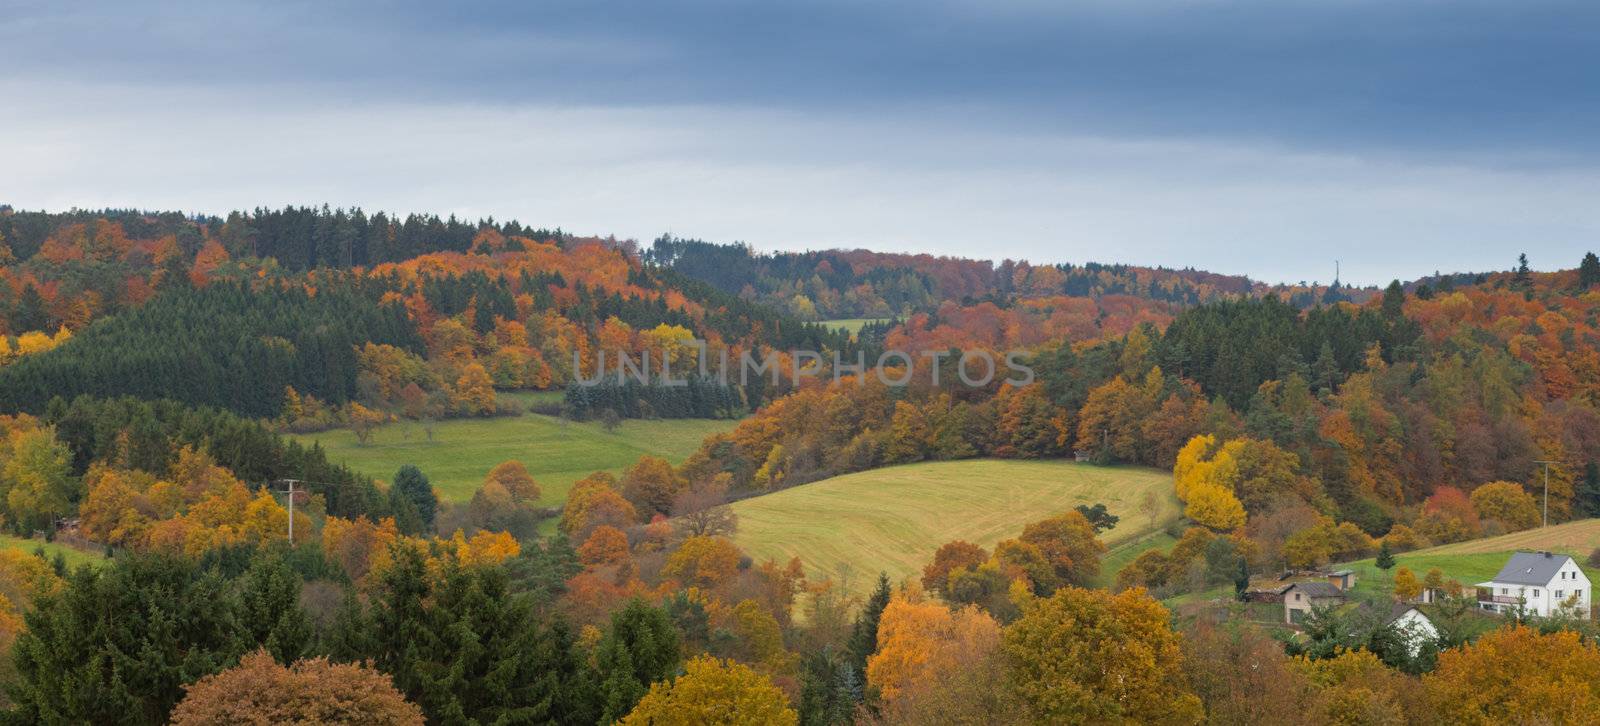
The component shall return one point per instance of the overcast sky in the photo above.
(1266, 138)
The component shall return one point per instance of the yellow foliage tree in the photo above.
(485, 548)
(1087, 656)
(713, 692)
(702, 562)
(1215, 507)
(1517, 675)
(1508, 503)
(474, 392)
(1406, 585)
(934, 665)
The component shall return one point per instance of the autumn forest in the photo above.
(168, 382)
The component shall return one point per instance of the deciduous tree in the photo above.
(1087, 656)
(716, 693)
(259, 691)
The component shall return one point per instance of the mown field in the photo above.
(556, 452)
(893, 519)
(851, 325)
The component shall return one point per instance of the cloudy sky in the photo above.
(1266, 137)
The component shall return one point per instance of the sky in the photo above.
(1261, 137)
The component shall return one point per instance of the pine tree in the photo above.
(640, 648)
(30, 312)
(827, 693)
(119, 642)
(1522, 279)
(863, 642)
(1589, 271)
(351, 638)
(1241, 579)
(413, 485)
(269, 600)
(1385, 558)
(1394, 300)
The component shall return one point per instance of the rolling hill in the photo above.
(893, 519)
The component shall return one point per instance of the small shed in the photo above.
(1342, 579)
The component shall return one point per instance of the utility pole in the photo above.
(290, 491)
(1546, 490)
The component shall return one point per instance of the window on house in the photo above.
(1535, 593)
(1558, 594)
(1505, 591)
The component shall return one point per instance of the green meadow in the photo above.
(557, 452)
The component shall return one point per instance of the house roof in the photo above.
(1399, 610)
(1531, 568)
(1317, 589)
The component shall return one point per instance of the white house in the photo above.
(1412, 625)
(1539, 582)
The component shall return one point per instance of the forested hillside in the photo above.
(430, 335)
(864, 284)
(148, 363)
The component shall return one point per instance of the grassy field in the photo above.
(73, 556)
(1479, 560)
(1574, 538)
(851, 325)
(556, 452)
(1469, 562)
(893, 519)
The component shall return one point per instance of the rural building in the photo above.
(1342, 579)
(1300, 597)
(1542, 583)
(1414, 626)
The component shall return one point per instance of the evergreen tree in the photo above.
(1586, 494)
(118, 643)
(640, 648)
(829, 690)
(30, 312)
(1522, 279)
(864, 636)
(351, 637)
(1241, 579)
(1394, 300)
(1385, 558)
(412, 485)
(542, 571)
(1589, 271)
(269, 610)
(493, 662)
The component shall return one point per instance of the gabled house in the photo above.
(1412, 625)
(1300, 597)
(1542, 583)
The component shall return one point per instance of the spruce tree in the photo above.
(1385, 559)
(1522, 279)
(640, 648)
(119, 642)
(269, 610)
(864, 636)
(411, 484)
(1589, 271)
(1394, 300)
